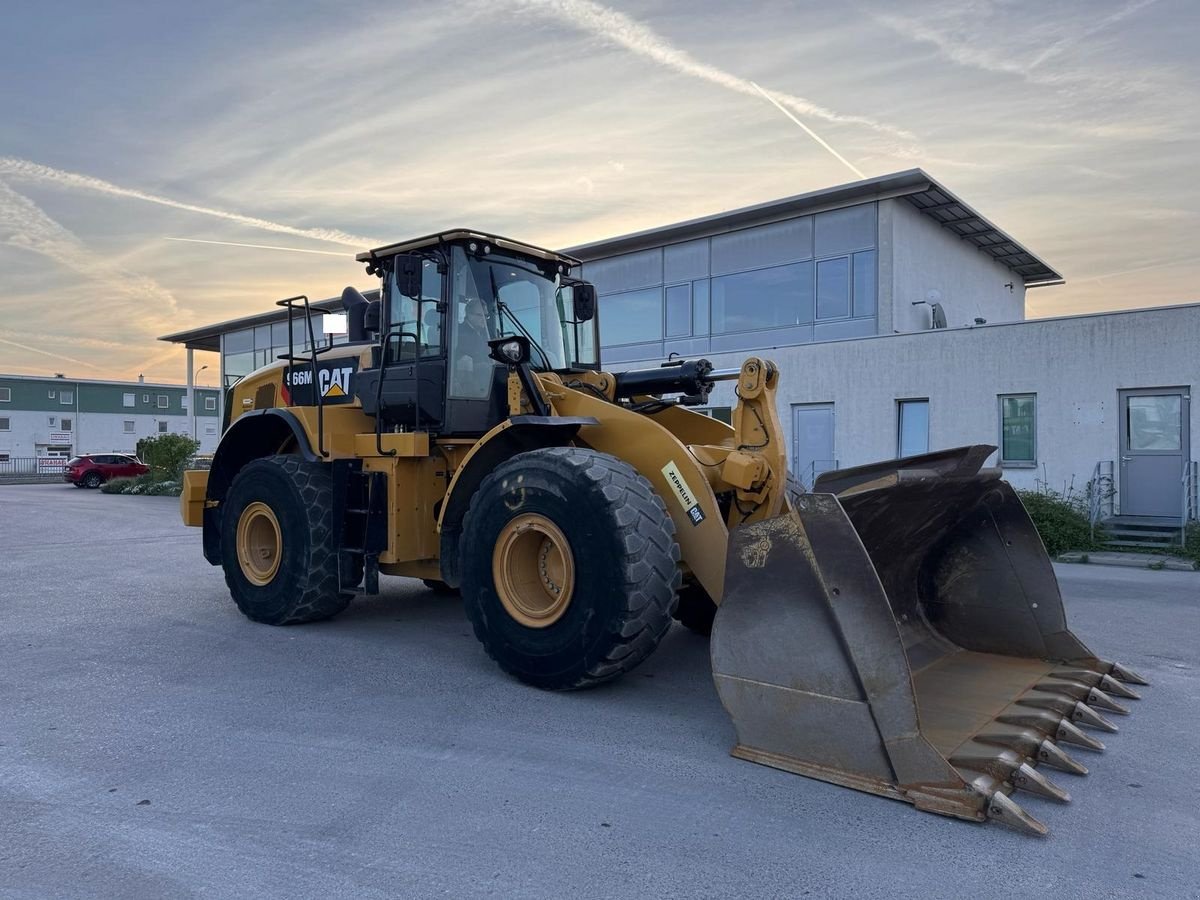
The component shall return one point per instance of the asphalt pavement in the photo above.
(155, 743)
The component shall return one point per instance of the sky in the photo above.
(142, 145)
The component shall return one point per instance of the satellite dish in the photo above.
(938, 315)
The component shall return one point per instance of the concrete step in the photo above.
(1149, 545)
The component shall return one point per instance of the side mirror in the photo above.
(584, 298)
(407, 269)
(371, 316)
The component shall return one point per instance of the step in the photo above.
(1150, 545)
(1172, 535)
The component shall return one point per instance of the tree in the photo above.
(166, 454)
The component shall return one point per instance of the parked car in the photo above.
(96, 468)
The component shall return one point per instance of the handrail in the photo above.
(1190, 502)
(1100, 491)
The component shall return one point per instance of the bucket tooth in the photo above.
(1119, 672)
(1112, 686)
(1052, 755)
(1040, 720)
(1027, 778)
(1004, 809)
(1069, 734)
(1085, 715)
(1097, 697)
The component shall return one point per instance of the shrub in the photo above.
(166, 454)
(1061, 520)
(117, 486)
(1191, 542)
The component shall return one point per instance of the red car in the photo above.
(96, 468)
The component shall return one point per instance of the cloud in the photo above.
(52, 355)
(24, 170)
(620, 29)
(24, 225)
(256, 246)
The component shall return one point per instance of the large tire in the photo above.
(619, 544)
(298, 582)
(439, 587)
(93, 480)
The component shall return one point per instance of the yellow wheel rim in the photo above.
(259, 543)
(533, 570)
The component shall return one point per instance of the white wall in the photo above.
(1075, 365)
(96, 432)
(927, 257)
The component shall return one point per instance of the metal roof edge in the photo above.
(52, 379)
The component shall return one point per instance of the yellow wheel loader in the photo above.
(898, 629)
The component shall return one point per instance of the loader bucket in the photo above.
(901, 631)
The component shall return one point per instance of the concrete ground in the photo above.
(154, 743)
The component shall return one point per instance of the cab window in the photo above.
(416, 320)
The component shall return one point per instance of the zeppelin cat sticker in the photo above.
(683, 493)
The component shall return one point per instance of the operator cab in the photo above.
(443, 298)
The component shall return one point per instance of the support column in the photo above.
(191, 392)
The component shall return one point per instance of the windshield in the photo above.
(520, 296)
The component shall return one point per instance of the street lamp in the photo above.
(192, 399)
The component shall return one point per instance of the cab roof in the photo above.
(464, 234)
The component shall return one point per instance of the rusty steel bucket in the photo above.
(900, 631)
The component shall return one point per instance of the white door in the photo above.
(812, 441)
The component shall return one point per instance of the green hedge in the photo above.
(151, 485)
(1191, 542)
(1061, 520)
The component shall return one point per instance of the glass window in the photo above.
(766, 245)
(679, 310)
(625, 272)
(843, 230)
(684, 262)
(129, 426)
(700, 307)
(1155, 423)
(1018, 429)
(163, 401)
(5, 395)
(279, 339)
(162, 427)
(210, 403)
(631, 317)
(238, 341)
(128, 400)
(4, 424)
(262, 337)
(65, 424)
(210, 429)
(417, 316)
(66, 398)
(914, 427)
(833, 288)
(765, 298)
(720, 413)
(865, 291)
(183, 401)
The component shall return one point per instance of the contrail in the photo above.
(812, 134)
(1158, 265)
(626, 32)
(258, 246)
(78, 362)
(23, 169)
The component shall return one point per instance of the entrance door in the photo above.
(812, 441)
(1154, 445)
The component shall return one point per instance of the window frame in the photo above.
(163, 402)
(5, 423)
(1001, 458)
(66, 398)
(65, 424)
(128, 401)
(5, 395)
(163, 426)
(210, 404)
(129, 426)
(901, 402)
